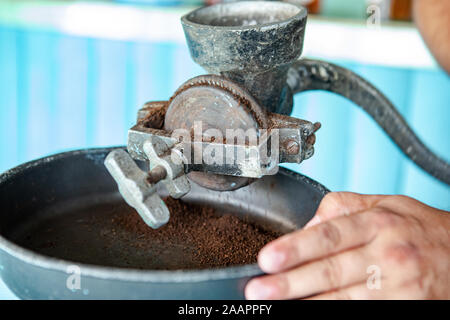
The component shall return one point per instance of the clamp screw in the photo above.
(292, 147)
(157, 174)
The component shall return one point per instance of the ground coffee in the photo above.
(113, 234)
(206, 238)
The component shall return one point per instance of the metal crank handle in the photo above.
(307, 74)
(138, 188)
(135, 188)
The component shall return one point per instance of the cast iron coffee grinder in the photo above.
(252, 50)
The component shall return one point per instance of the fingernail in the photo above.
(271, 260)
(313, 222)
(257, 290)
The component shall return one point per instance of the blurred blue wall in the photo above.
(60, 92)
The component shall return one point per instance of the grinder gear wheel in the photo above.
(213, 104)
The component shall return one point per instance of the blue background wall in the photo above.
(59, 92)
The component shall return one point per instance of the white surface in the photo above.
(5, 293)
(396, 44)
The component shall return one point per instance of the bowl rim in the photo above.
(126, 274)
(302, 14)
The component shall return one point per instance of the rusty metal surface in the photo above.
(236, 96)
(296, 137)
(152, 114)
(218, 104)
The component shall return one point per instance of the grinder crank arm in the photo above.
(309, 74)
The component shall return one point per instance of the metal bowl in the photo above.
(52, 186)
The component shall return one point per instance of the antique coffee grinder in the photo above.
(252, 50)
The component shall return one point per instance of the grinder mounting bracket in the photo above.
(166, 136)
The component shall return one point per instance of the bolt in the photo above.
(157, 174)
(305, 132)
(292, 147)
(311, 140)
(317, 126)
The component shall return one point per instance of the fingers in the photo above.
(312, 278)
(317, 242)
(336, 204)
(355, 292)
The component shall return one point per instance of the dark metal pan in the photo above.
(52, 193)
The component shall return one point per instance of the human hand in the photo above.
(360, 247)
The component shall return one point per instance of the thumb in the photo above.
(336, 204)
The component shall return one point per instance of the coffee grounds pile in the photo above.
(113, 234)
(195, 237)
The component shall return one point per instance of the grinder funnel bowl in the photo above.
(252, 43)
